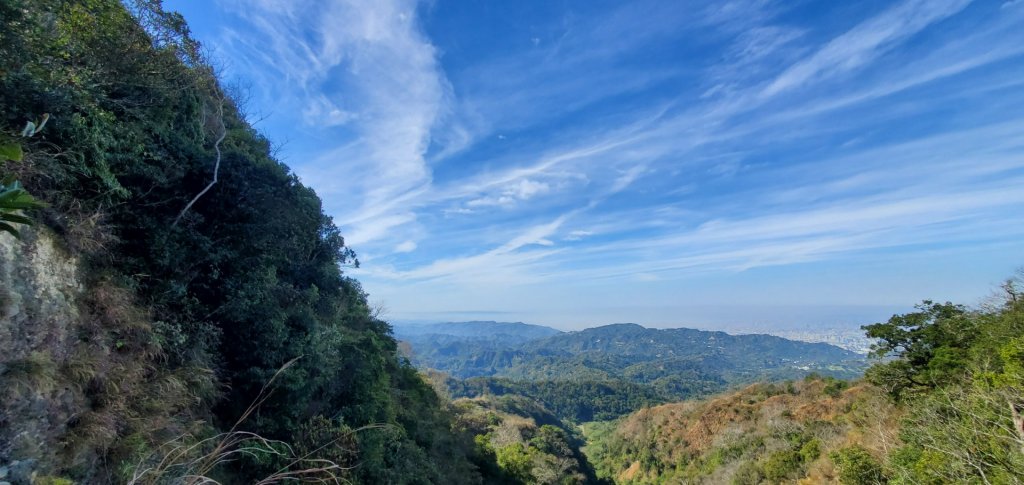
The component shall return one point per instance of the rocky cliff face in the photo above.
(40, 292)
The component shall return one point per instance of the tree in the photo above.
(929, 345)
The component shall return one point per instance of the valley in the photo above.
(604, 372)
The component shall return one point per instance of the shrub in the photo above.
(857, 467)
(810, 451)
(780, 465)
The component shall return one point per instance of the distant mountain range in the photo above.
(655, 364)
(507, 332)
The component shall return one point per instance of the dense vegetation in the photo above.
(765, 433)
(213, 318)
(604, 372)
(943, 406)
(194, 300)
(572, 401)
(528, 444)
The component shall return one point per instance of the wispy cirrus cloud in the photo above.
(864, 42)
(537, 145)
(365, 64)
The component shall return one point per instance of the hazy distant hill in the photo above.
(639, 344)
(531, 352)
(623, 365)
(510, 332)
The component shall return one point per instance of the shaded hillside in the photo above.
(150, 307)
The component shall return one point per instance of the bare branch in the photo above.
(216, 165)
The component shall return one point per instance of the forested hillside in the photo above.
(175, 307)
(604, 372)
(201, 285)
(944, 408)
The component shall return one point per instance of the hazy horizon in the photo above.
(709, 318)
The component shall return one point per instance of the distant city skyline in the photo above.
(660, 162)
(731, 319)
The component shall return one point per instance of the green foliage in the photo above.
(810, 450)
(605, 372)
(10, 151)
(13, 200)
(49, 480)
(250, 279)
(857, 467)
(749, 473)
(931, 344)
(772, 433)
(781, 465)
(959, 376)
(834, 387)
(576, 401)
(516, 460)
(528, 444)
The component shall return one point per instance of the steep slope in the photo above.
(142, 321)
(528, 443)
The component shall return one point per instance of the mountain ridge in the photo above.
(624, 365)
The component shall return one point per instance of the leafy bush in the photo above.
(810, 450)
(781, 465)
(857, 467)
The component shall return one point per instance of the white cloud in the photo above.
(578, 235)
(627, 178)
(498, 201)
(865, 42)
(521, 190)
(322, 112)
(406, 247)
(374, 228)
(527, 188)
(730, 181)
(373, 56)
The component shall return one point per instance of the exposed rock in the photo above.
(40, 291)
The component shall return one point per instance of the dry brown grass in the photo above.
(191, 461)
(130, 399)
(693, 430)
(35, 373)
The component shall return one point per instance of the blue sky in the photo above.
(676, 163)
